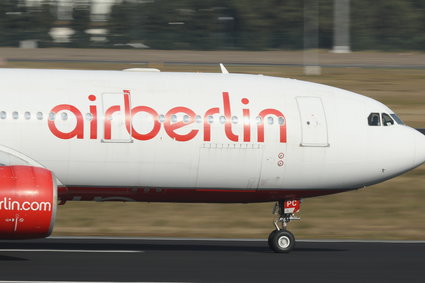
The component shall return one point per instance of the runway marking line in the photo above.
(232, 240)
(85, 282)
(63, 251)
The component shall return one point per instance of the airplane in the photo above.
(145, 135)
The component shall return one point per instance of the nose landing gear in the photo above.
(281, 240)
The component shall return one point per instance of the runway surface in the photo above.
(188, 260)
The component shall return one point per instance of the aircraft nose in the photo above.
(420, 148)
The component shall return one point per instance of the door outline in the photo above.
(124, 120)
(313, 121)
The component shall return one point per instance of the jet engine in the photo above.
(28, 202)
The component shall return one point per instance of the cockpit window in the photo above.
(397, 119)
(387, 120)
(374, 119)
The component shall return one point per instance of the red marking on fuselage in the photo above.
(228, 114)
(93, 122)
(77, 132)
(185, 195)
(172, 128)
(207, 125)
(246, 122)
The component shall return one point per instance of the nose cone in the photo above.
(420, 148)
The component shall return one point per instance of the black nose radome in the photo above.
(421, 130)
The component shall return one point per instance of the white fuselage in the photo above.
(186, 130)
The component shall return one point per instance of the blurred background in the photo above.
(209, 24)
(375, 48)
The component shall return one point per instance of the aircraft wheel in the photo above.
(269, 241)
(282, 241)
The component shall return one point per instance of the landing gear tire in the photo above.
(269, 241)
(281, 241)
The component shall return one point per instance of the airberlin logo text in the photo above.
(184, 130)
(9, 204)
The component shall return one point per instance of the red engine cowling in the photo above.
(28, 201)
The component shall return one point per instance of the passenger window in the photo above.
(27, 115)
(3, 115)
(52, 116)
(374, 119)
(64, 116)
(270, 120)
(39, 116)
(387, 120)
(281, 120)
(15, 115)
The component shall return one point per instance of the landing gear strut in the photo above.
(281, 240)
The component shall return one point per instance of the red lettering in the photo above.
(246, 122)
(156, 126)
(228, 114)
(207, 126)
(78, 131)
(93, 122)
(260, 126)
(108, 118)
(171, 127)
(128, 114)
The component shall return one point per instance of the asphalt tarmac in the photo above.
(190, 260)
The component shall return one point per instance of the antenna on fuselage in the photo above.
(223, 69)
